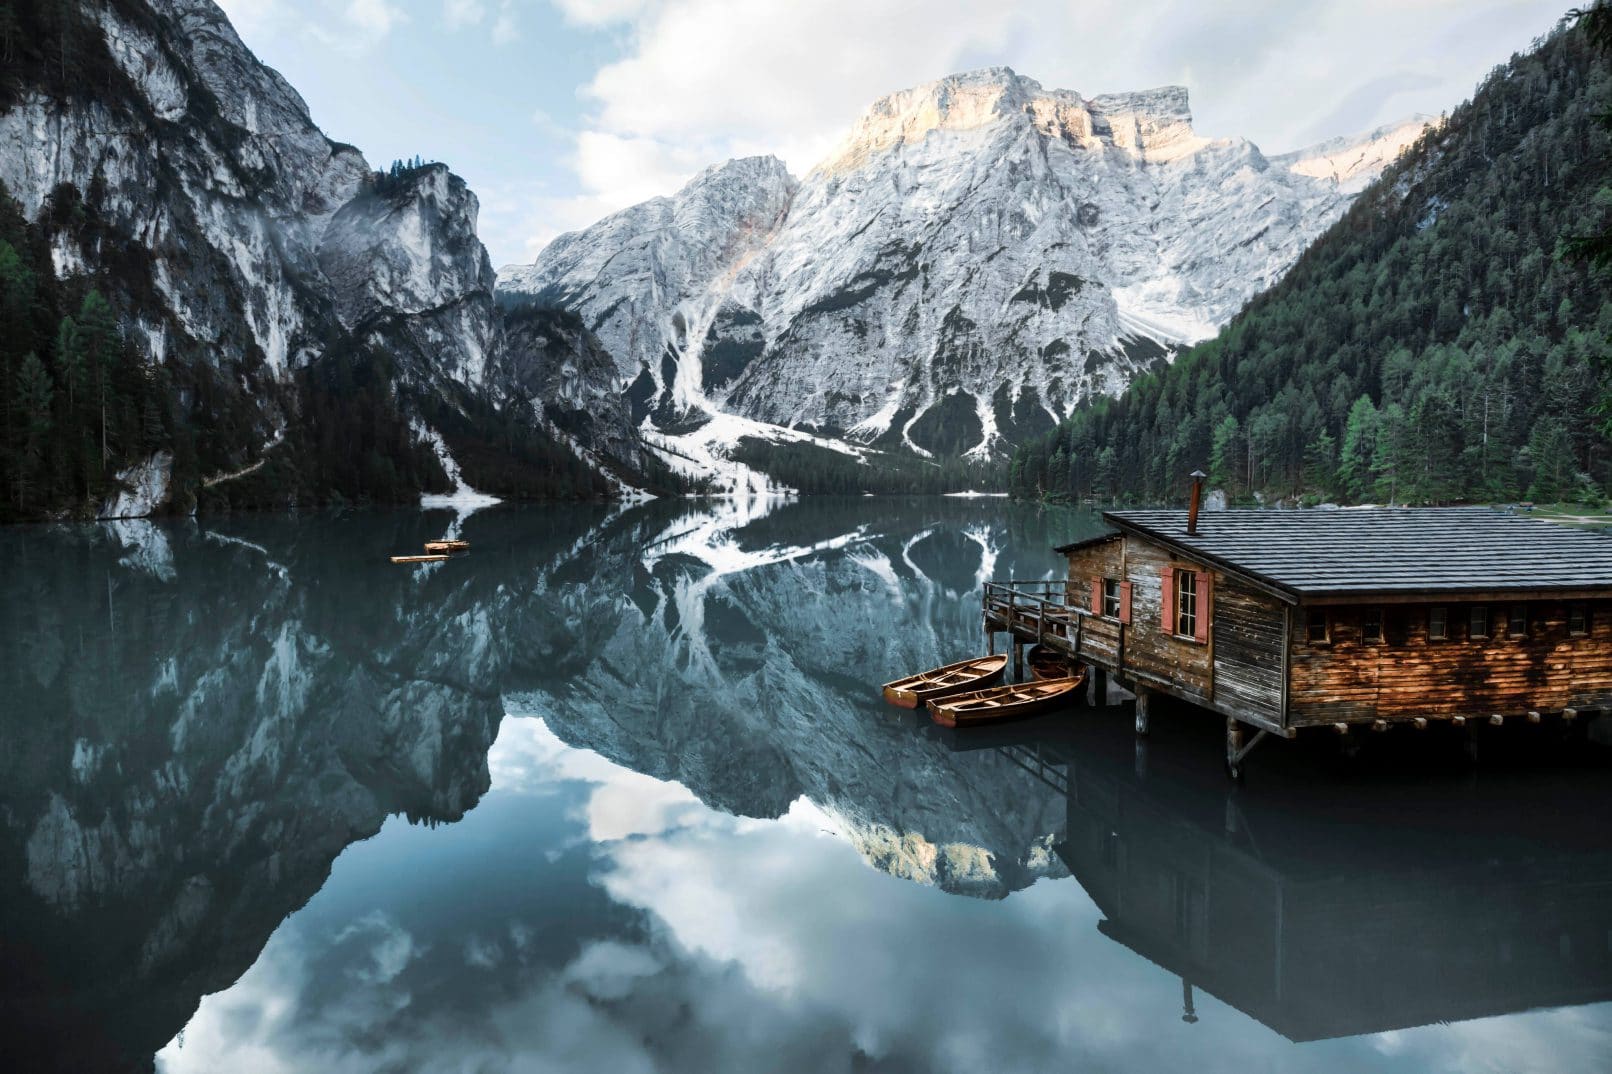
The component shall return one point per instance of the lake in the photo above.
(617, 792)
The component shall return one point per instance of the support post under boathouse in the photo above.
(1348, 620)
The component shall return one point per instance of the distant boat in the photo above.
(442, 547)
(419, 559)
(1002, 703)
(914, 690)
(1046, 663)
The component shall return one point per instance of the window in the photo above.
(1478, 621)
(1318, 626)
(1111, 597)
(1517, 621)
(1578, 618)
(1438, 623)
(1186, 603)
(1371, 626)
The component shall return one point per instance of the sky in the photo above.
(558, 112)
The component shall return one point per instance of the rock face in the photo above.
(409, 275)
(554, 370)
(651, 280)
(977, 256)
(240, 246)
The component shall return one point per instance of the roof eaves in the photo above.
(1277, 589)
(1075, 546)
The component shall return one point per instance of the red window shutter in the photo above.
(1125, 602)
(1096, 595)
(1167, 603)
(1200, 630)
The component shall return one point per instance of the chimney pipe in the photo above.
(1197, 501)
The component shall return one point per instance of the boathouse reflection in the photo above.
(1327, 908)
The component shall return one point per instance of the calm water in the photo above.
(617, 793)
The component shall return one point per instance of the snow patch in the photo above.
(144, 488)
(463, 500)
(707, 452)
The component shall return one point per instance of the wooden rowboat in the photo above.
(1002, 703)
(419, 559)
(1048, 663)
(914, 690)
(441, 547)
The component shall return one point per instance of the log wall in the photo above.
(1154, 656)
(1250, 635)
(1407, 674)
(1144, 649)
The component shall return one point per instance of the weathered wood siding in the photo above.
(1106, 560)
(1409, 675)
(1153, 655)
(1100, 635)
(1249, 649)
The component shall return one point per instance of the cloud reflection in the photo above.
(689, 939)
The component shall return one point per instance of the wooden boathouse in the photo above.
(1281, 620)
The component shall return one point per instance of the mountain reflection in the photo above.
(202, 717)
(1327, 908)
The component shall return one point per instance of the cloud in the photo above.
(460, 13)
(254, 18)
(726, 944)
(544, 121)
(596, 13)
(373, 17)
(506, 30)
(699, 81)
(360, 26)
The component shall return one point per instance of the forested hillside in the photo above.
(1436, 344)
(206, 302)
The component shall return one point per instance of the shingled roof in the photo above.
(1390, 550)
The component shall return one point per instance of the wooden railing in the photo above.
(1032, 603)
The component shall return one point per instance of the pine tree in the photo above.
(1550, 451)
(1224, 452)
(1321, 463)
(102, 346)
(1359, 448)
(35, 395)
(70, 360)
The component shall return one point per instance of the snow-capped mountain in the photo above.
(977, 256)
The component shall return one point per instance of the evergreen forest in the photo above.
(1441, 343)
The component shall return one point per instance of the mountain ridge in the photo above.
(975, 257)
(276, 322)
(1435, 345)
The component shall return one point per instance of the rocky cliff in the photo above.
(262, 271)
(977, 256)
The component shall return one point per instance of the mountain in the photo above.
(1433, 345)
(978, 256)
(258, 316)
